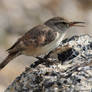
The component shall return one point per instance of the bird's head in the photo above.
(61, 24)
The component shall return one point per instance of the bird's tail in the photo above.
(8, 59)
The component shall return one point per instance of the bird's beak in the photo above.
(78, 24)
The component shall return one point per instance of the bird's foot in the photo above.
(39, 61)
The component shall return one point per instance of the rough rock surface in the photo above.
(71, 73)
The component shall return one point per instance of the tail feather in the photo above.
(8, 59)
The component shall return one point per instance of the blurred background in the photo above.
(18, 16)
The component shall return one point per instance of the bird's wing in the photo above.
(38, 36)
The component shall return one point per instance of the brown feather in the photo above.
(8, 59)
(39, 36)
(36, 37)
(31, 42)
(13, 46)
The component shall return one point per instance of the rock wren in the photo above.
(40, 40)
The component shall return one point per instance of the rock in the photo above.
(70, 72)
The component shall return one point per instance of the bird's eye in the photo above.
(59, 23)
(64, 23)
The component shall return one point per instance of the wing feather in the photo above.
(40, 35)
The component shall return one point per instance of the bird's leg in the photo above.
(36, 63)
(42, 59)
(51, 56)
(39, 61)
(59, 50)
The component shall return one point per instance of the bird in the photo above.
(40, 40)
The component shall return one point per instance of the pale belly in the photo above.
(46, 49)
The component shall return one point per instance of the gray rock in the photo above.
(72, 72)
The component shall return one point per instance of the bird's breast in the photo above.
(55, 43)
